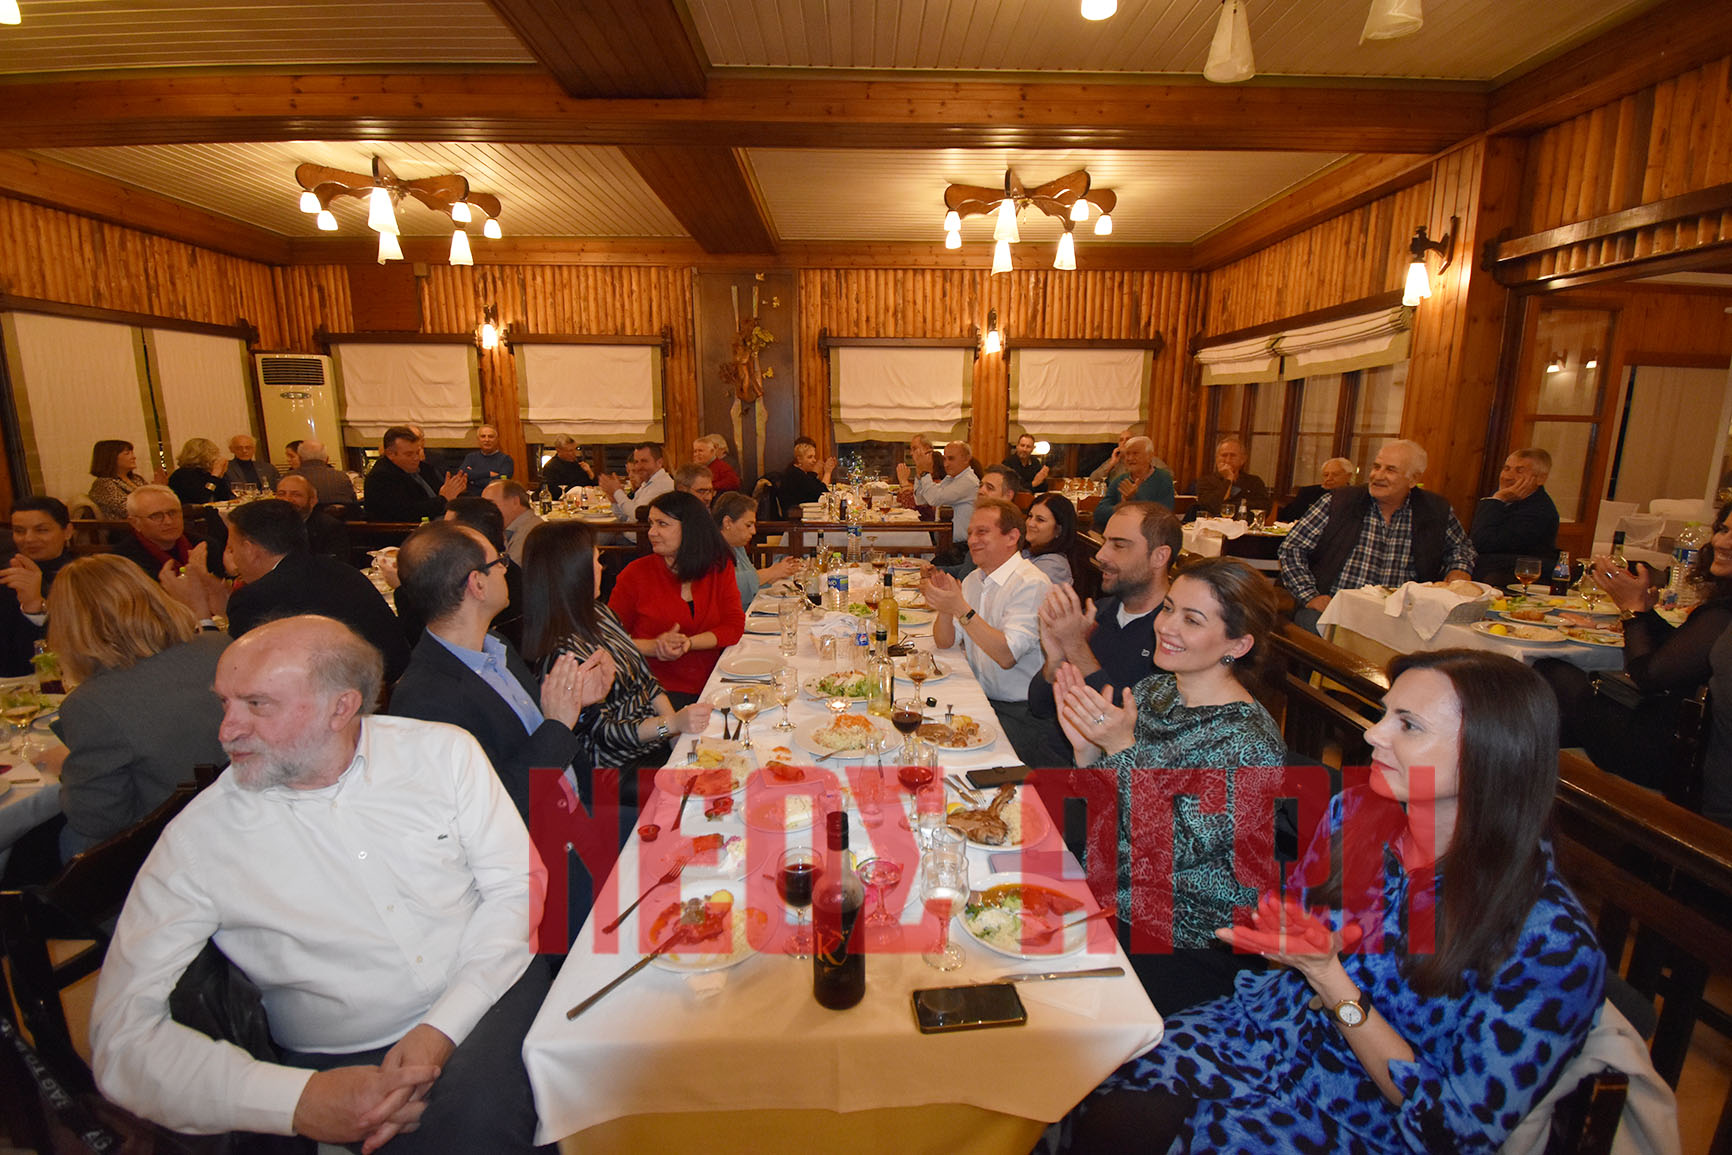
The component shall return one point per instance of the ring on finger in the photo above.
(1100, 719)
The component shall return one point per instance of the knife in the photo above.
(1042, 976)
(671, 941)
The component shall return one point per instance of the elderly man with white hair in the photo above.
(1519, 520)
(331, 485)
(958, 490)
(1142, 480)
(245, 469)
(1385, 533)
(566, 468)
(1336, 472)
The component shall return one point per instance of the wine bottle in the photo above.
(889, 613)
(838, 960)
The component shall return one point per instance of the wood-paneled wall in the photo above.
(1665, 140)
(1349, 257)
(1040, 304)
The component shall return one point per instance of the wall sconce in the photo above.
(992, 341)
(1557, 363)
(487, 334)
(1418, 280)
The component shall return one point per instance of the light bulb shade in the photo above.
(1001, 257)
(1099, 9)
(952, 221)
(460, 213)
(1104, 226)
(9, 13)
(310, 201)
(953, 240)
(1042, 448)
(992, 343)
(1418, 284)
(1389, 19)
(460, 254)
(1230, 52)
(491, 230)
(381, 213)
(1066, 257)
(389, 249)
(1005, 229)
(1079, 212)
(489, 335)
(327, 221)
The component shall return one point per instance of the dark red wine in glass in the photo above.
(914, 779)
(795, 883)
(906, 721)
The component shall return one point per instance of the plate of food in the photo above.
(853, 685)
(1532, 616)
(719, 929)
(847, 737)
(1517, 632)
(754, 667)
(1010, 913)
(1010, 817)
(783, 811)
(958, 732)
(1589, 636)
(720, 768)
(715, 855)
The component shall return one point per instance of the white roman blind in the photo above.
(76, 383)
(1069, 394)
(202, 379)
(1240, 362)
(1361, 342)
(435, 386)
(593, 392)
(890, 392)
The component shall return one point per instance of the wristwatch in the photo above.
(661, 730)
(967, 617)
(1350, 1012)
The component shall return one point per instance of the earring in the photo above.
(1226, 659)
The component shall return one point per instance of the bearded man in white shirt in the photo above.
(370, 875)
(994, 613)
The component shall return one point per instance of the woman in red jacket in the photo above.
(681, 604)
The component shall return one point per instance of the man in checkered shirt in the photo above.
(1384, 533)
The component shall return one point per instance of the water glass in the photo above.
(788, 620)
(827, 652)
(943, 887)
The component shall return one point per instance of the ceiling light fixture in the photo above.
(1099, 9)
(9, 13)
(1392, 19)
(1067, 199)
(389, 249)
(1418, 279)
(384, 189)
(1230, 59)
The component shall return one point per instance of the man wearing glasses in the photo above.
(158, 536)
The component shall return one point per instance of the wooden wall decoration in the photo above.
(723, 301)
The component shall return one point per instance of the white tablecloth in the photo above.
(1361, 611)
(654, 1046)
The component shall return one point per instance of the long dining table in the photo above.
(742, 1058)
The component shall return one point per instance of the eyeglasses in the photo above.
(483, 568)
(161, 515)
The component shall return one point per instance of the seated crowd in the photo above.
(373, 875)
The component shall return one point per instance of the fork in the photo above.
(1047, 935)
(964, 791)
(672, 874)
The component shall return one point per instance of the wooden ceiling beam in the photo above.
(1659, 43)
(599, 49)
(746, 112)
(59, 186)
(710, 192)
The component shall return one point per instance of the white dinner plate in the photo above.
(759, 667)
(1524, 632)
(745, 923)
(672, 779)
(805, 736)
(986, 737)
(944, 671)
(980, 925)
(809, 687)
(1588, 636)
(1025, 815)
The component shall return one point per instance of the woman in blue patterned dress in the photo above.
(1184, 748)
(1442, 978)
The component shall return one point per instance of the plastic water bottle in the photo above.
(854, 537)
(1679, 590)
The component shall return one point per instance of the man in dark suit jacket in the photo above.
(1337, 472)
(1519, 520)
(326, 536)
(267, 550)
(464, 675)
(396, 489)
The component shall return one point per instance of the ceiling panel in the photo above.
(1164, 197)
(1461, 39)
(86, 35)
(547, 190)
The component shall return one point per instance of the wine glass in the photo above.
(787, 686)
(906, 716)
(919, 668)
(17, 720)
(1527, 571)
(747, 700)
(796, 877)
(943, 884)
(881, 874)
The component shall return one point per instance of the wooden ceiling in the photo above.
(750, 126)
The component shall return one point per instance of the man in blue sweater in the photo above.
(1142, 480)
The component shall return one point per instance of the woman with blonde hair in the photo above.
(114, 466)
(198, 478)
(141, 713)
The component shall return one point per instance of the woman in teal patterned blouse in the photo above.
(1179, 745)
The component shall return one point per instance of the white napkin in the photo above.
(1225, 526)
(707, 985)
(1426, 606)
(835, 624)
(22, 774)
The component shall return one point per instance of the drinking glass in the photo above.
(788, 620)
(1527, 571)
(796, 877)
(919, 668)
(930, 813)
(747, 701)
(943, 885)
(787, 686)
(827, 653)
(906, 716)
(881, 874)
